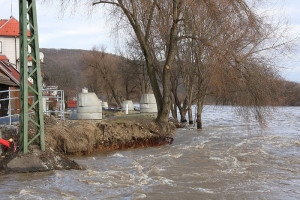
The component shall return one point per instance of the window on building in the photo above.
(0, 47)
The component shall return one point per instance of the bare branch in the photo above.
(106, 2)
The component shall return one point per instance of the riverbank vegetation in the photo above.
(192, 51)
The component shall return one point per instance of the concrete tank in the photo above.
(148, 104)
(130, 105)
(104, 105)
(88, 106)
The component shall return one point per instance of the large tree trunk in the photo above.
(183, 112)
(199, 111)
(182, 108)
(200, 100)
(163, 117)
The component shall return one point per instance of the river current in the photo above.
(228, 159)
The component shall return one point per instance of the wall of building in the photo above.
(10, 48)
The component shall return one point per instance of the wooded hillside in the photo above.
(111, 77)
(71, 70)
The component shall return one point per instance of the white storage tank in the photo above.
(148, 104)
(88, 106)
(104, 105)
(130, 105)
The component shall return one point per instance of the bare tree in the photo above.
(104, 72)
(62, 70)
(221, 47)
(225, 49)
(144, 17)
(137, 66)
(237, 60)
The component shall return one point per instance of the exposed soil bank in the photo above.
(77, 137)
(74, 137)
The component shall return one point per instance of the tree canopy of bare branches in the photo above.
(209, 47)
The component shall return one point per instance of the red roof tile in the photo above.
(30, 59)
(3, 57)
(2, 21)
(10, 27)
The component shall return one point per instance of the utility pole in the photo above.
(31, 80)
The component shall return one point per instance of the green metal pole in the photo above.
(31, 81)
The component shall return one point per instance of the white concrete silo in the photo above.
(88, 106)
(148, 104)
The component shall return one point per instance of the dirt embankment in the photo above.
(84, 137)
(77, 137)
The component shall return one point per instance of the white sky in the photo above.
(83, 31)
(78, 30)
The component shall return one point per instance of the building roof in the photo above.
(10, 27)
(2, 57)
(2, 21)
(6, 80)
(11, 74)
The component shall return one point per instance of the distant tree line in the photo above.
(71, 70)
(63, 68)
(113, 77)
(110, 76)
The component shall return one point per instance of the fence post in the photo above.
(1, 147)
(63, 104)
(9, 106)
(126, 108)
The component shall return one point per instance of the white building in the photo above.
(10, 42)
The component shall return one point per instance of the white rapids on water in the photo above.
(228, 159)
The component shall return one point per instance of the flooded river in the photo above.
(228, 159)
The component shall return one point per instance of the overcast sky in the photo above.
(82, 31)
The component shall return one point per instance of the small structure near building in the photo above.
(148, 104)
(88, 106)
(72, 104)
(129, 103)
(52, 100)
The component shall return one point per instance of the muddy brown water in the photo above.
(228, 159)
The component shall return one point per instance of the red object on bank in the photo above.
(72, 104)
(5, 142)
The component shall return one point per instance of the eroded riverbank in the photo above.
(82, 137)
(75, 137)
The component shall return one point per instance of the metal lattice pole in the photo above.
(31, 81)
